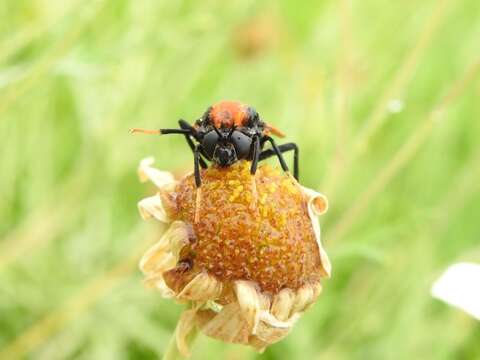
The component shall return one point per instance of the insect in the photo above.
(227, 132)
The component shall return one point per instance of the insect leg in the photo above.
(278, 153)
(198, 182)
(196, 168)
(256, 155)
(186, 126)
(284, 148)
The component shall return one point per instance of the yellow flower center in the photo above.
(245, 228)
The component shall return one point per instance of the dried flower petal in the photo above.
(228, 325)
(317, 205)
(282, 304)
(267, 335)
(306, 296)
(316, 201)
(269, 319)
(249, 300)
(158, 282)
(185, 325)
(159, 257)
(153, 207)
(180, 235)
(147, 172)
(203, 287)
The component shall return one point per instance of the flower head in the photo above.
(244, 250)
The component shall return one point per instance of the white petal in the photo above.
(459, 286)
(147, 172)
(152, 207)
(317, 205)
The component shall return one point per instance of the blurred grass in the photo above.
(403, 185)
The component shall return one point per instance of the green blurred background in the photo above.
(382, 98)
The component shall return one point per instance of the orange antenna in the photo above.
(145, 131)
(273, 130)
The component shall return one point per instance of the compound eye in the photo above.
(209, 142)
(242, 144)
